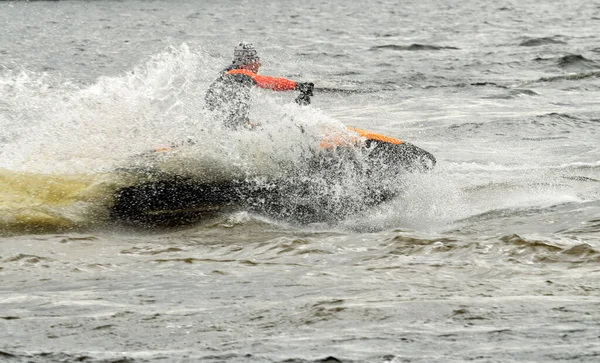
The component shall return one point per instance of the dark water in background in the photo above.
(493, 257)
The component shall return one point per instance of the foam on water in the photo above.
(54, 127)
(112, 125)
(95, 128)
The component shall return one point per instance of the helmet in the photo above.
(245, 53)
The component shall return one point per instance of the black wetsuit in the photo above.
(229, 95)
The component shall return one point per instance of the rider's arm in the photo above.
(268, 82)
(275, 83)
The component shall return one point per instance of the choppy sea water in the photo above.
(492, 257)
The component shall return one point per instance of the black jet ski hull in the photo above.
(173, 200)
(170, 200)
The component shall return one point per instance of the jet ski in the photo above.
(303, 195)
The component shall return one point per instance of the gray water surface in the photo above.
(492, 257)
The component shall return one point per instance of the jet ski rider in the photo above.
(229, 94)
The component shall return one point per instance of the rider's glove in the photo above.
(305, 88)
